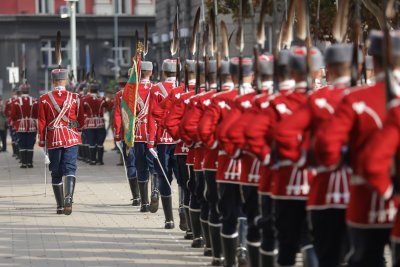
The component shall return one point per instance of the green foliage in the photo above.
(232, 7)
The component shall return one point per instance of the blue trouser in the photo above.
(129, 161)
(143, 161)
(62, 162)
(85, 136)
(96, 136)
(168, 161)
(14, 136)
(26, 141)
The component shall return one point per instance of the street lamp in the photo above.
(72, 17)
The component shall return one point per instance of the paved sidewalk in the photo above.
(103, 230)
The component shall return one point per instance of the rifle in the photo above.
(194, 46)
(214, 43)
(387, 57)
(145, 42)
(205, 57)
(356, 46)
(240, 45)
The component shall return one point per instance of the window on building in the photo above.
(48, 53)
(80, 7)
(45, 6)
(124, 55)
(124, 6)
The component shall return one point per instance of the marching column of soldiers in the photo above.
(274, 155)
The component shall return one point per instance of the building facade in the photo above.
(28, 29)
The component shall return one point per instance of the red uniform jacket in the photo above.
(329, 188)
(189, 124)
(285, 180)
(357, 118)
(24, 112)
(60, 116)
(7, 110)
(172, 115)
(93, 108)
(251, 166)
(157, 134)
(173, 121)
(142, 111)
(378, 159)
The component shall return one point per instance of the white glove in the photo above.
(46, 157)
(153, 152)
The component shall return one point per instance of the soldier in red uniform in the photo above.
(143, 158)
(329, 194)
(83, 150)
(380, 160)
(24, 120)
(194, 166)
(216, 121)
(13, 133)
(161, 145)
(290, 203)
(130, 157)
(189, 125)
(361, 114)
(210, 170)
(248, 106)
(171, 111)
(258, 143)
(60, 117)
(94, 106)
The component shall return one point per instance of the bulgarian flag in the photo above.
(128, 104)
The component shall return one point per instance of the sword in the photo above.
(46, 162)
(119, 145)
(163, 171)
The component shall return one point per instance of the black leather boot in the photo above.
(196, 229)
(229, 245)
(69, 187)
(215, 237)
(155, 193)
(29, 158)
(182, 220)
(92, 153)
(206, 237)
(59, 195)
(167, 207)
(87, 153)
(309, 257)
(189, 234)
(133, 184)
(253, 253)
(22, 157)
(144, 196)
(267, 258)
(14, 150)
(100, 153)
